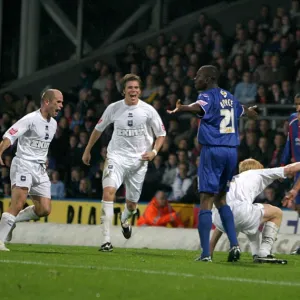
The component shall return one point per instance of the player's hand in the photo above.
(178, 106)
(289, 198)
(86, 157)
(148, 156)
(251, 112)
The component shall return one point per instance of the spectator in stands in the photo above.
(270, 197)
(170, 170)
(246, 90)
(181, 183)
(279, 142)
(159, 212)
(57, 186)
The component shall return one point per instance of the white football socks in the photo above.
(27, 214)
(6, 223)
(126, 214)
(254, 242)
(107, 214)
(269, 235)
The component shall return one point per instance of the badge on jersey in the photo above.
(130, 123)
(223, 93)
(23, 178)
(130, 115)
(47, 136)
(46, 128)
(13, 131)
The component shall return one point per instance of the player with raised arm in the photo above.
(244, 188)
(28, 174)
(128, 153)
(218, 134)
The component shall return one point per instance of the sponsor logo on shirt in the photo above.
(131, 132)
(13, 131)
(39, 144)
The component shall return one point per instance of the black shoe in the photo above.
(269, 260)
(106, 247)
(205, 259)
(234, 254)
(126, 229)
(296, 252)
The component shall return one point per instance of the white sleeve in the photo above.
(267, 176)
(157, 124)
(105, 120)
(17, 129)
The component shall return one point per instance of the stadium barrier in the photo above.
(142, 237)
(87, 212)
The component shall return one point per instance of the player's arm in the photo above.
(291, 194)
(160, 133)
(6, 143)
(104, 121)
(291, 169)
(193, 108)
(214, 240)
(12, 134)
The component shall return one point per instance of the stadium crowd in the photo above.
(259, 64)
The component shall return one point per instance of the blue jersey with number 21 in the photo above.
(219, 125)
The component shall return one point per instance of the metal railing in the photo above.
(275, 113)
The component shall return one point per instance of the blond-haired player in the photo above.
(244, 188)
(133, 144)
(28, 174)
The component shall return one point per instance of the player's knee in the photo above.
(109, 194)
(43, 210)
(278, 212)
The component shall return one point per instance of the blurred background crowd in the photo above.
(259, 63)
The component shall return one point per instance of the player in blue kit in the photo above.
(291, 153)
(218, 134)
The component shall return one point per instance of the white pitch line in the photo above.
(177, 274)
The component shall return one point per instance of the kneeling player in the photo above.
(244, 188)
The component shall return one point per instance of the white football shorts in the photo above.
(131, 172)
(33, 175)
(247, 217)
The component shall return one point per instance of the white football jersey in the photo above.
(134, 128)
(245, 187)
(34, 134)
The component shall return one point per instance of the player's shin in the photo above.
(106, 219)
(228, 224)
(6, 223)
(269, 235)
(204, 228)
(27, 214)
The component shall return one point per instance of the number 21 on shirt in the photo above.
(227, 123)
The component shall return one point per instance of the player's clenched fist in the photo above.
(86, 157)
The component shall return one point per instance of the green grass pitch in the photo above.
(59, 272)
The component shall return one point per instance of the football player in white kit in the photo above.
(136, 123)
(243, 190)
(28, 174)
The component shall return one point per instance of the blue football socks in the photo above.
(228, 224)
(204, 228)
